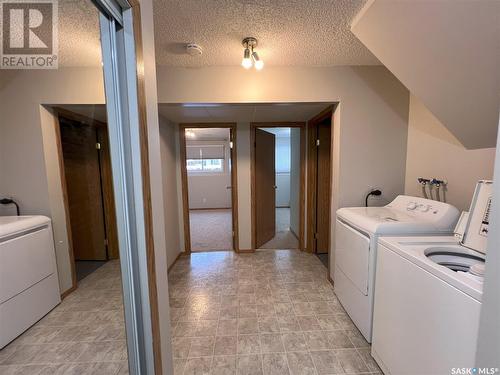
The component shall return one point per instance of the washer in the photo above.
(357, 232)
(29, 286)
(428, 297)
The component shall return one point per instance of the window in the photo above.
(205, 165)
(205, 158)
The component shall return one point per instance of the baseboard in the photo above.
(209, 209)
(68, 292)
(295, 234)
(246, 251)
(175, 261)
(329, 278)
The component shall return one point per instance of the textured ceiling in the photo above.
(293, 32)
(78, 33)
(290, 32)
(186, 113)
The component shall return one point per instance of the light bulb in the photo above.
(246, 63)
(247, 60)
(259, 64)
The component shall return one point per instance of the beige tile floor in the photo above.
(271, 312)
(85, 334)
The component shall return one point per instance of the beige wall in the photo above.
(169, 159)
(450, 61)
(370, 132)
(244, 185)
(434, 152)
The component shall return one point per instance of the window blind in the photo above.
(205, 152)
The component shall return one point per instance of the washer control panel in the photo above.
(415, 206)
(427, 209)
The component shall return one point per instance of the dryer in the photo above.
(356, 234)
(29, 286)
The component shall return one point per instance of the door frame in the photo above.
(85, 121)
(253, 128)
(184, 179)
(126, 108)
(311, 178)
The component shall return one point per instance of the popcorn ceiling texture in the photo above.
(290, 32)
(78, 34)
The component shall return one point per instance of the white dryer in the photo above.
(29, 286)
(428, 297)
(357, 232)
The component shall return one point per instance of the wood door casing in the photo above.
(108, 196)
(184, 180)
(265, 187)
(323, 119)
(323, 189)
(234, 188)
(83, 184)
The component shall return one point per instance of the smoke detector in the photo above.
(194, 49)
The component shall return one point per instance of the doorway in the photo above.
(208, 168)
(319, 184)
(277, 174)
(88, 190)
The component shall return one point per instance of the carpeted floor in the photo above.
(284, 238)
(211, 230)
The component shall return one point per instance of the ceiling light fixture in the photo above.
(190, 133)
(250, 57)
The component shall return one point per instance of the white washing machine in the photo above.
(428, 297)
(357, 231)
(29, 286)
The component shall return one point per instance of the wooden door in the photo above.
(265, 187)
(323, 189)
(83, 186)
(108, 196)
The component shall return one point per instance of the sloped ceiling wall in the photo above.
(447, 53)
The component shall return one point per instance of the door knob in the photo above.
(229, 187)
(274, 186)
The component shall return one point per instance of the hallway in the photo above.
(261, 313)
